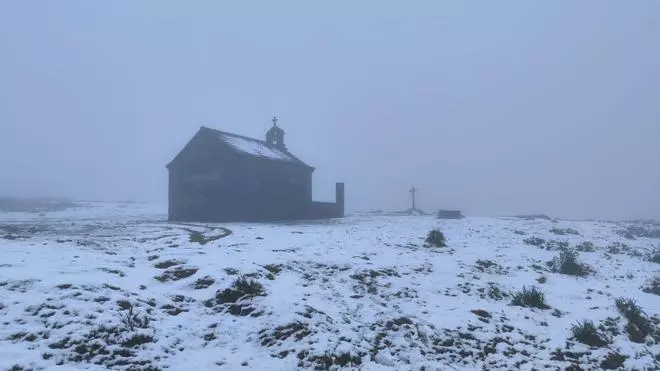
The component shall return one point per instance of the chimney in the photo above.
(339, 199)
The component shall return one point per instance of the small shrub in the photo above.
(197, 237)
(250, 288)
(124, 304)
(564, 231)
(137, 340)
(203, 283)
(176, 274)
(546, 245)
(587, 333)
(653, 287)
(530, 298)
(534, 241)
(181, 273)
(436, 238)
(557, 245)
(132, 320)
(167, 264)
(640, 231)
(654, 256)
(567, 263)
(618, 248)
(585, 246)
(627, 235)
(613, 361)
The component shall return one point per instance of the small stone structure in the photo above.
(449, 214)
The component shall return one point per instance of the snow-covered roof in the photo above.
(255, 147)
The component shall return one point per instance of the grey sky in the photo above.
(490, 107)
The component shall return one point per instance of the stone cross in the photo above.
(275, 120)
(413, 190)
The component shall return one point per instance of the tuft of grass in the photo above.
(482, 265)
(567, 263)
(274, 268)
(495, 293)
(436, 238)
(249, 287)
(628, 307)
(124, 304)
(242, 288)
(530, 298)
(639, 326)
(231, 271)
(113, 271)
(111, 287)
(587, 333)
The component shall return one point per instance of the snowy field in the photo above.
(113, 286)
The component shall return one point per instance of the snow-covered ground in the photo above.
(115, 286)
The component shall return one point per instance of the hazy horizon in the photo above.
(495, 109)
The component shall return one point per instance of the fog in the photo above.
(493, 108)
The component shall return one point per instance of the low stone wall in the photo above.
(449, 214)
(324, 210)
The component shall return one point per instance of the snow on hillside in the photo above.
(120, 288)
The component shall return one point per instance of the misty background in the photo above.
(489, 107)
